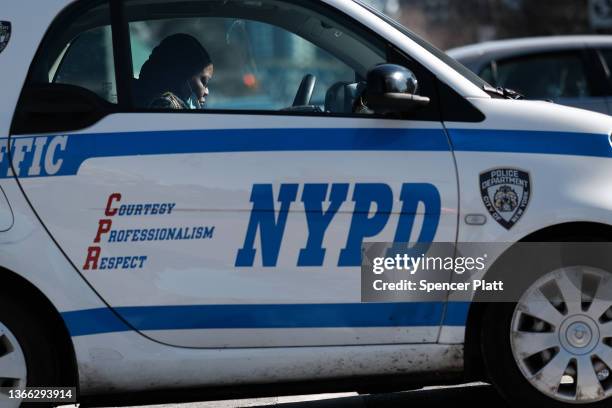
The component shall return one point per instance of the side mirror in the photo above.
(393, 89)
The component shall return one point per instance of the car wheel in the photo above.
(27, 354)
(553, 348)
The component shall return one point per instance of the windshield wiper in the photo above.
(502, 92)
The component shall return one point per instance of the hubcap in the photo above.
(579, 335)
(561, 334)
(13, 370)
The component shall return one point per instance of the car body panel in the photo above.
(205, 182)
(122, 362)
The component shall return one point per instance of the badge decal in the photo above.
(506, 193)
(5, 34)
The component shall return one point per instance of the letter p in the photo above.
(104, 227)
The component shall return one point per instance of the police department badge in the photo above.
(5, 34)
(506, 194)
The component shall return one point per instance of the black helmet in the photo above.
(391, 78)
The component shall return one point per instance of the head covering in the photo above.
(171, 64)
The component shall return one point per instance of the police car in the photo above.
(217, 251)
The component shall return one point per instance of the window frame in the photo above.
(32, 89)
(322, 8)
(350, 70)
(435, 111)
(123, 55)
(57, 26)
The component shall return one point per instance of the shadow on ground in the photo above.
(484, 395)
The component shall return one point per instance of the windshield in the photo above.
(457, 66)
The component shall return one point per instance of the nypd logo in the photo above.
(5, 34)
(506, 193)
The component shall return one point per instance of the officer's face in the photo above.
(199, 83)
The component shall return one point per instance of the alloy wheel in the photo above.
(561, 334)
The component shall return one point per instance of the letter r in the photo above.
(93, 254)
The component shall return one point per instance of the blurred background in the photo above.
(452, 23)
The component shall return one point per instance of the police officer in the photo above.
(176, 75)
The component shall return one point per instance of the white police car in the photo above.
(208, 251)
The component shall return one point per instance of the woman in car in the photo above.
(176, 74)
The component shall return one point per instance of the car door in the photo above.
(240, 224)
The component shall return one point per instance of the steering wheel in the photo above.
(305, 91)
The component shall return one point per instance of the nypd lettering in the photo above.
(321, 204)
(506, 193)
(33, 156)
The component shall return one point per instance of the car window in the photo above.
(607, 56)
(545, 76)
(260, 51)
(88, 62)
(487, 73)
(80, 54)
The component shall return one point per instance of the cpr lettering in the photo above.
(104, 227)
(114, 208)
(321, 204)
(33, 156)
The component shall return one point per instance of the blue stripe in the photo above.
(456, 313)
(516, 141)
(88, 146)
(288, 316)
(93, 321)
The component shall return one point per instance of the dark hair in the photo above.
(176, 59)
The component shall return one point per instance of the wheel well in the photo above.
(20, 288)
(575, 231)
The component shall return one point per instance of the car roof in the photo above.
(506, 48)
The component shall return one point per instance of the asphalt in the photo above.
(426, 398)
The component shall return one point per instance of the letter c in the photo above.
(110, 212)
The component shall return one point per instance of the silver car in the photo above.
(569, 70)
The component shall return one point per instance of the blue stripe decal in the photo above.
(98, 145)
(514, 141)
(93, 321)
(288, 316)
(456, 313)
(67, 153)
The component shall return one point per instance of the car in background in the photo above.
(569, 70)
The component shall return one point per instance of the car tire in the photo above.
(508, 339)
(27, 348)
